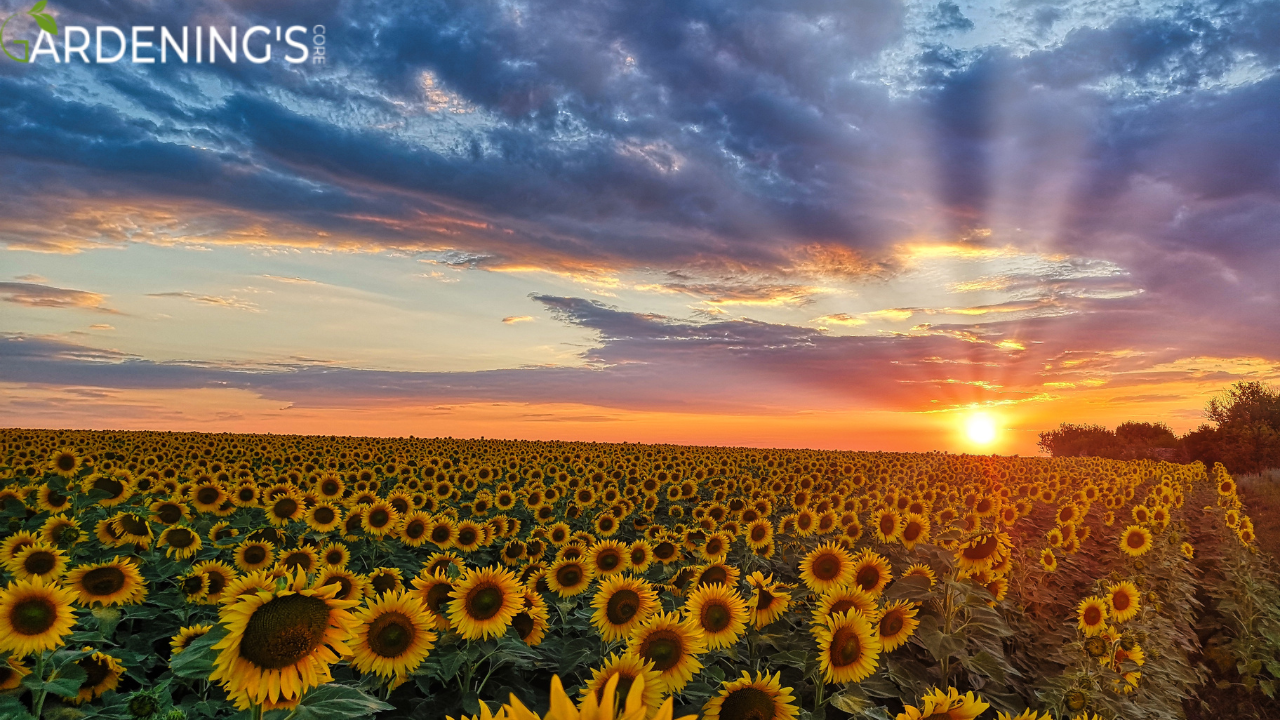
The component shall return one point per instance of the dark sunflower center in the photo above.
(713, 547)
(1092, 615)
(982, 550)
(664, 550)
(329, 487)
(438, 597)
(169, 514)
(1135, 540)
(888, 524)
(112, 486)
(68, 534)
(384, 582)
(621, 691)
(134, 525)
(748, 703)
(207, 495)
(415, 529)
(608, 560)
(247, 494)
(846, 648)
(285, 507)
(379, 518)
(826, 567)
(33, 615)
(325, 515)
(40, 562)
(103, 580)
(96, 671)
(524, 624)
(715, 617)
(344, 587)
(254, 554)
(638, 556)
(181, 538)
(840, 606)
(714, 575)
(56, 499)
(622, 606)
(284, 630)
(868, 577)
(439, 534)
(1120, 601)
(569, 576)
(217, 581)
(664, 648)
(66, 463)
(334, 557)
(193, 584)
(483, 602)
(298, 560)
(911, 532)
(466, 537)
(891, 624)
(391, 634)
(759, 533)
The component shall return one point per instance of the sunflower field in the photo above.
(170, 576)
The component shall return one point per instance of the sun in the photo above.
(981, 429)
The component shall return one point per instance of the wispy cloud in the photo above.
(231, 302)
(45, 296)
(512, 320)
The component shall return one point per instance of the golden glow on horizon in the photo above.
(981, 429)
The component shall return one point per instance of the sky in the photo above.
(800, 223)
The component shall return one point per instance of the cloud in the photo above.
(215, 300)
(101, 326)
(44, 296)
(512, 320)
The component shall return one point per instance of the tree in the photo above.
(1245, 435)
(1071, 440)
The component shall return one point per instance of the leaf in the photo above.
(47, 23)
(849, 702)
(64, 683)
(912, 587)
(987, 665)
(196, 662)
(37, 7)
(337, 702)
(12, 709)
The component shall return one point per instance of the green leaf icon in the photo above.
(47, 23)
(37, 7)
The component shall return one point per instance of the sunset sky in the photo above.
(830, 224)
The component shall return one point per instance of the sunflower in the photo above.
(60, 531)
(1135, 540)
(65, 462)
(40, 559)
(252, 556)
(351, 586)
(132, 528)
(102, 673)
(532, 621)
(118, 488)
(640, 556)
(1124, 601)
(672, 646)
(379, 519)
(443, 562)
(945, 705)
(826, 567)
(569, 577)
(331, 487)
(208, 496)
(1048, 560)
(393, 638)
(484, 601)
(607, 557)
(335, 555)
(302, 558)
(245, 495)
(220, 577)
(470, 536)
(716, 547)
(434, 589)
(719, 613)
(52, 500)
(842, 599)
(413, 530)
(848, 647)
(888, 525)
(186, 636)
(194, 587)
(1188, 551)
(627, 669)
(871, 572)
(768, 599)
(222, 531)
(323, 517)
(621, 604)
(284, 508)
(11, 674)
(763, 698)
(14, 544)
(915, 529)
(115, 582)
(179, 542)
(1092, 612)
(386, 580)
(280, 644)
(896, 624)
(35, 615)
(983, 551)
(721, 573)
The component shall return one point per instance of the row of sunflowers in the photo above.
(173, 576)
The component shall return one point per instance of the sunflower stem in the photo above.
(38, 696)
(257, 712)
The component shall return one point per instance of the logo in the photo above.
(45, 22)
(146, 44)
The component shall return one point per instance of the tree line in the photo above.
(1242, 433)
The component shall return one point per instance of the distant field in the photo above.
(181, 575)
